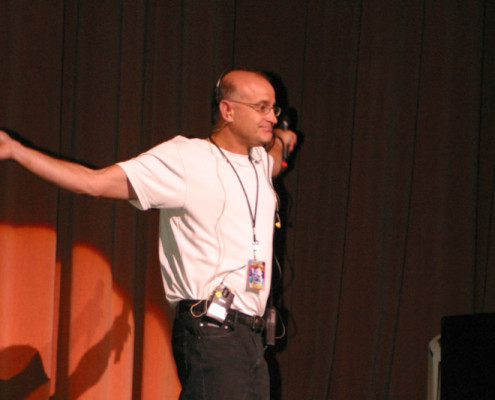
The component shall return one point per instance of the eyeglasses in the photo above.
(260, 107)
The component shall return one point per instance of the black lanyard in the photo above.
(253, 215)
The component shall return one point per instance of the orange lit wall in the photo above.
(100, 358)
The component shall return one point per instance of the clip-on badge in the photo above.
(220, 303)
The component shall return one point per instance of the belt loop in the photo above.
(254, 323)
(231, 319)
(235, 319)
(259, 324)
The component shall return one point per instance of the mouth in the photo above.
(267, 128)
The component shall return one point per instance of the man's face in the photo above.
(253, 127)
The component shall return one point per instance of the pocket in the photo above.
(205, 329)
(199, 328)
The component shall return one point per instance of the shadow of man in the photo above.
(21, 372)
(94, 362)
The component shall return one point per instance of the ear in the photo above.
(226, 111)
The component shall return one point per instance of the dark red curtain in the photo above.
(387, 208)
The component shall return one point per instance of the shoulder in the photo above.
(180, 144)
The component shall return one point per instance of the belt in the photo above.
(254, 322)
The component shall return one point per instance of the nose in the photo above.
(272, 117)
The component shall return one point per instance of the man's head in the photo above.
(246, 111)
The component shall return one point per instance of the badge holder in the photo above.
(256, 274)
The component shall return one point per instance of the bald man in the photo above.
(217, 210)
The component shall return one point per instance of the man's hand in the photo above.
(289, 138)
(5, 145)
(284, 143)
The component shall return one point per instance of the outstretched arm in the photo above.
(284, 142)
(110, 182)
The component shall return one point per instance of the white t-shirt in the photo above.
(206, 229)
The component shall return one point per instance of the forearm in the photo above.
(277, 151)
(108, 182)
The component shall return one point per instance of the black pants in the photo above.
(219, 362)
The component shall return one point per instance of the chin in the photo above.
(266, 138)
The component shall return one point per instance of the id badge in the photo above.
(256, 271)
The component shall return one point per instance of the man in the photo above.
(217, 210)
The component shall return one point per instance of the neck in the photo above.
(227, 142)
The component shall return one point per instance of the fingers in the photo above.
(288, 137)
(292, 141)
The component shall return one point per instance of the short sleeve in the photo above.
(158, 177)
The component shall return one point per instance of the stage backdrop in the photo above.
(387, 207)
